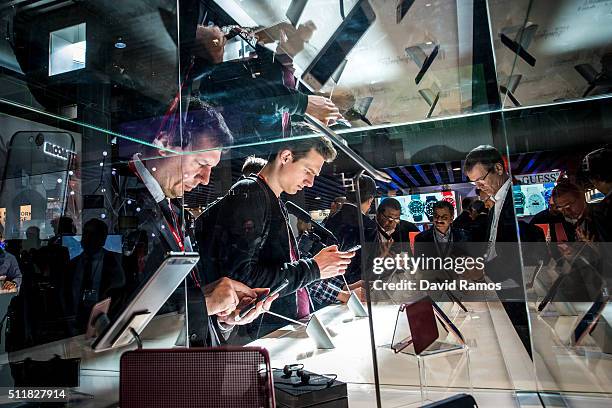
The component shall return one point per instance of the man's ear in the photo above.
(285, 156)
(499, 169)
(162, 142)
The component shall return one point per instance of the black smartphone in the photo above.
(252, 306)
(352, 249)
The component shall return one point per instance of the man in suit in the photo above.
(596, 167)
(442, 240)
(464, 219)
(485, 167)
(394, 233)
(344, 224)
(94, 275)
(154, 180)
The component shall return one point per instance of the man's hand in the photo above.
(261, 307)
(357, 288)
(223, 295)
(323, 109)
(332, 262)
(9, 285)
(385, 248)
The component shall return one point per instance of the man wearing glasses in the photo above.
(394, 233)
(485, 168)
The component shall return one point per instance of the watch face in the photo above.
(416, 207)
(429, 207)
(535, 203)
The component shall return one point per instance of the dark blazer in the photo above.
(345, 226)
(545, 217)
(260, 255)
(154, 222)
(463, 220)
(424, 243)
(401, 237)
(112, 284)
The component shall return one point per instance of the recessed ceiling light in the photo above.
(120, 44)
(428, 5)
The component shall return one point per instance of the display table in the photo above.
(497, 358)
(351, 360)
(561, 367)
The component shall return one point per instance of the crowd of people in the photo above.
(245, 239)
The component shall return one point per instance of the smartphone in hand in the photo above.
(253, 305)
(353, 249)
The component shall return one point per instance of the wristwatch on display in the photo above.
(535, 200)
(429, 203)
(519, 200)
(416, 207)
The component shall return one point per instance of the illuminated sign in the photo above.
(57, 151)
(25, 212)
(539, 178)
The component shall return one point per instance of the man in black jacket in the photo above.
(344, 224)
(393, 230)
(463, 220)
(485, 167)
(271, 254)
(92, 276)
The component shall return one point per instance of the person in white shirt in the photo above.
(485, 168)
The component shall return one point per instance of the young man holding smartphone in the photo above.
(268, 254)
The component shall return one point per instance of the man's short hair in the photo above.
(98, 227)
(478, 206)
(597, 165)
(253, 165)
(391, 203)
(340, 200)
(299, 148)
(566, 187)
(367, 189)
(466, 202)
(486, 155)
(444, 204)
(200, 119)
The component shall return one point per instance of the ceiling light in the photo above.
(456, 168)
(555, 170)
(120, 44)
(317, 198)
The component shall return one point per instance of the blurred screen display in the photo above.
(530, 199)
(418, 208)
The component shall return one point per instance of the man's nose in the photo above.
(204, 176)
(309, 181)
